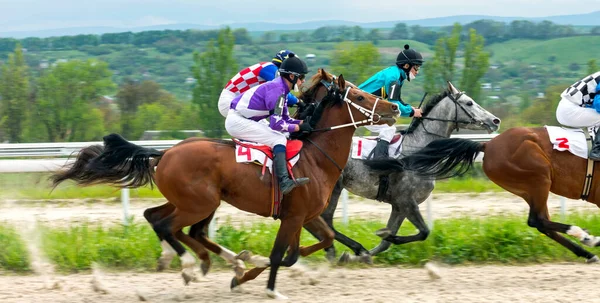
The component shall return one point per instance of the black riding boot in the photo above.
(595, 152)
(286, 184)
(381, 150)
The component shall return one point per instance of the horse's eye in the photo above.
(360, 98)
(469, 103)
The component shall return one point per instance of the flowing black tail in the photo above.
(440, 159)
(119, 162)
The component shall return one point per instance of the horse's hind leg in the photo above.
(199, 232)
(172, 224)
(544, 225)
(154, 215)
(394, 222)
(414, 216)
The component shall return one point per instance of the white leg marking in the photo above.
(187, 260)
(167, 251)
(274, 294)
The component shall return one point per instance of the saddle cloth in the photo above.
(251, 152)
(571, 139)
(362, 146)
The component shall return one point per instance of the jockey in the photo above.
(251, 76)
(387, 83)
(580, 107)
(269, 100)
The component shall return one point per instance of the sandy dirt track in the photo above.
(566, 282)
(538, 283)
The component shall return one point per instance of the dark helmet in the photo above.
(280, 56)
(293, 65)
(410, 56)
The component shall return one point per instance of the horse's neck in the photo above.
(335, 143)
(429, 130)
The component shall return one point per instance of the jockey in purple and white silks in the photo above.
(580, 107)
(252, 76)
(269, 101)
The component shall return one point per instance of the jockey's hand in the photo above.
(418, 112)
(305, 128)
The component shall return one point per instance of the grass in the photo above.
(464, 240)
(13, 251)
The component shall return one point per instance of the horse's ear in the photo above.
(341, 82)
(323, 73)
(452, 89)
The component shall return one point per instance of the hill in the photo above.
(589, 19)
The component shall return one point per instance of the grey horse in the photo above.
(443, 113)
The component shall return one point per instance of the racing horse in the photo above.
(196, 174)
(523, 161)
(442, 114)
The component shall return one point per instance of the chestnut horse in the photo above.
(522, 161)
(196, 174)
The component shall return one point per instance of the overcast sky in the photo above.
(21, 15)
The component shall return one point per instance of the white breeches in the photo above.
(573, 115)
(386, 132)
(225, 101)
(243, 128)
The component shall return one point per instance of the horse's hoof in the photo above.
(344, 258)
(383, 233)
(274, 294)
(188, 275)
(204, 267)
(244, 255)
(234, 283)
(366, 259)
(593, 259)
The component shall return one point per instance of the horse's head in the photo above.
(327, 92)
(458, 108)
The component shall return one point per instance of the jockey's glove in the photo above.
(305, 128)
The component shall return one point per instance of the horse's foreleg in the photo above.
(544, 225)
(394, 221)
(288, 231)
(326, 236)
(414, 216)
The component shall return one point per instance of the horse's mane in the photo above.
(428, 107)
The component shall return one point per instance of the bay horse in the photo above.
(442, 114)
(196, 174)
(522, 161)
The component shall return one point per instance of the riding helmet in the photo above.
(410, 56)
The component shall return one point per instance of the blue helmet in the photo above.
(280, 56)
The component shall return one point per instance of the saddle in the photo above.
(293, 148)
(252, 152)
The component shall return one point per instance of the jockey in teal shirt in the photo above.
(387, 84)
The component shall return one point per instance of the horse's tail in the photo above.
(118, 162)
(440, 159)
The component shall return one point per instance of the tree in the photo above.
(212, 69)
(66, 97)
(14, 94)
(357, 61)
(443, 61)
(400, 31)
(476, 65)
(374, 36)
(131, 96)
